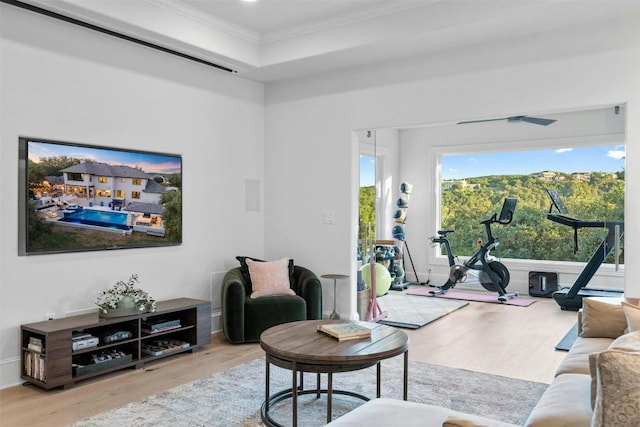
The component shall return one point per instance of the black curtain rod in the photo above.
(102, 30)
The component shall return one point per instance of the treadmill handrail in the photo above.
(578, 223)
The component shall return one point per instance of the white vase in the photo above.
(363, 298)
(126, 302)
(125, 307)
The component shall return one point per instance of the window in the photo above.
(136, 181)
(135, 194)
(102, 179)
(590, 181)
(367, 216)
(73, 176)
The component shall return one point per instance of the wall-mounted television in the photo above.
(81, 197)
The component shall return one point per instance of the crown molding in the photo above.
(196, 15)
(350, 19)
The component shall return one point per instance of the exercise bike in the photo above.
(494, 275)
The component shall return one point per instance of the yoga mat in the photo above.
(490, 297)
(413, 312)
(567, 341)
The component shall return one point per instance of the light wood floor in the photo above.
(516, 342)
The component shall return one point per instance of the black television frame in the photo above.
(107, 160)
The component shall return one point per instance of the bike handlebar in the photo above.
(494, 219)
(507, 220)
(506, 214)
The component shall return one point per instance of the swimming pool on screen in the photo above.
(103, 219)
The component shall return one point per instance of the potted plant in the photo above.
(125, 299)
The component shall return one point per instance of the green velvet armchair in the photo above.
(245, 318)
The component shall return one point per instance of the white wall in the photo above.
(581, 68)
(66, 83)
(387, 150)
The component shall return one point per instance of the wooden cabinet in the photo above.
(50, 358)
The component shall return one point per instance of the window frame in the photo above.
(572, 267)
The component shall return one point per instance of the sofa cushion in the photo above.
(594, 378)
(265, 312)
(566, 403)
(460, 422)
(392, 412)
(602, 318)
(627, 342)
(632, 313)
(577, 359)
(269, 278)
(618, 390)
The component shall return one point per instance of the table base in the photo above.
(297, 389)
(282, 395)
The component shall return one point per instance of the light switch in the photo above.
(329, 217)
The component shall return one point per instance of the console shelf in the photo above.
(49, 359)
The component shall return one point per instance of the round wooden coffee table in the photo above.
(299, 347)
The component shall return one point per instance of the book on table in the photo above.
(345, 331)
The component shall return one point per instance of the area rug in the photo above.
(234, 397)
(567, 341)
(412, 312)
(490, 297)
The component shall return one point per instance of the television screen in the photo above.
(79, 197)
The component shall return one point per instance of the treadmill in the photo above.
(571, 298)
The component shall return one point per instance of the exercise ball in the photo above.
(383, 278)
(398, 232)
(400, 215)
(405, 188)
(403, 201)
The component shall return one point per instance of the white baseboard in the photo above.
(10, 373)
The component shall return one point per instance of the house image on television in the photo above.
(116, 187)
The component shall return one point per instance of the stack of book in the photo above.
(345, 331)
(34, 360)
(35, 344)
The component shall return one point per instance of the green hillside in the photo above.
(597, 196)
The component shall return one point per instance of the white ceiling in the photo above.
(270, 40)
(267, 17)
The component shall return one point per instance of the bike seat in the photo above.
(445, 232)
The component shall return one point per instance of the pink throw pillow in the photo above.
(270, 278)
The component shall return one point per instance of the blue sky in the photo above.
(148, 162)
(367, 171)
(578, 159)
(568, 160)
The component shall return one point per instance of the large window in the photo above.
(589, 180)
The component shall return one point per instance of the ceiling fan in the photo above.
(515, 119)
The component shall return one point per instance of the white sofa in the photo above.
(392, 412)
(597, 384)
